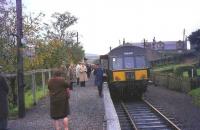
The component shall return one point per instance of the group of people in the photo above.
(83, 73)
(60, 85)
(59, 91)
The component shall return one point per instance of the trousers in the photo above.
(100, 90)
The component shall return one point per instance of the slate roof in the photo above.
(168, 45)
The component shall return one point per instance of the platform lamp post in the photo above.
(20, 70)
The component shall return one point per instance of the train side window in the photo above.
(129, 62)
(117, 63)
(140, 62)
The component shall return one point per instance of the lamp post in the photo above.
(20, 71)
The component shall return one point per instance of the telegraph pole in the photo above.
(20, 70)
(77, 37)
(184, 35)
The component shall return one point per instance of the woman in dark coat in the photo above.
(59, 95)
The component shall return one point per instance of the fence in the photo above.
(35, 86)
(182, 84)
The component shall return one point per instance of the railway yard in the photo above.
(88, 113)
(125, 65)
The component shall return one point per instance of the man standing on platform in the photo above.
(98, 72)
(3, 102)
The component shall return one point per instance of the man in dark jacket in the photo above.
(3, 102)
(98, 72)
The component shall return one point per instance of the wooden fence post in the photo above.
(49, 74)
(43, 82)
(33, 88)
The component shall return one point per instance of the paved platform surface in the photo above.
(87, 112)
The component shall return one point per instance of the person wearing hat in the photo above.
(3, 101)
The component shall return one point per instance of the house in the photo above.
(164, 46)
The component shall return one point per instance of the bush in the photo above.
(180, 69)
(195, 93)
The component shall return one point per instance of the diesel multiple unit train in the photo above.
(127, 70)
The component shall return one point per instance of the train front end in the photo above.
(128, 71)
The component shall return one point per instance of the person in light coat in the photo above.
(83, 74)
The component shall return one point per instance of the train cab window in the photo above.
(117, 63)
(128, 62)
(140, 62)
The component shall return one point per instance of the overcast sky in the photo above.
(102, 23)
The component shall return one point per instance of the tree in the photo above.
(77, 52)
(61, 23)
(31, 31)
(57, 33)
(51, 43)
(7, 39)
(194, 39)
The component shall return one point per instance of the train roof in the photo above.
(150, 54)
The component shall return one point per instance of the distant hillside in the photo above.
(89, 54)
(91, 57)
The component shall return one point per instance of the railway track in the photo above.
(141, 115)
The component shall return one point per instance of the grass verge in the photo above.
(195, 93)
(29, 103)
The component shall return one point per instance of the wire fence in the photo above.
(173, 82)
(35, 88)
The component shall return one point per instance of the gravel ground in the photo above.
(177, 105)
(87, 112)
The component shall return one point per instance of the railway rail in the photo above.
(141, 115)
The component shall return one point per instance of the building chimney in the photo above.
(124, 41)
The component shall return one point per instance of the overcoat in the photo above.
(77, 70)
(3, 98)
(59, 104)
(83, 73)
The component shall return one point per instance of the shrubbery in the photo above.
(195, 93)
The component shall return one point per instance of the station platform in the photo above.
(86, 112)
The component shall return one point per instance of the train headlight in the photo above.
(117, 78)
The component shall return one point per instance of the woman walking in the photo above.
(59, 95)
